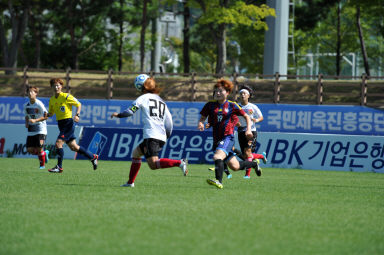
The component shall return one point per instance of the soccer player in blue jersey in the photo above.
(223, 114)
(61, 104)
(35, 121)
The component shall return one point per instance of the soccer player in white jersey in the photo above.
(157, 129)
(248, 146)
(35, 121)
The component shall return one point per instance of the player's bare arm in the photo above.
(45, 117)
(248, 132)
(258, 120)
(77, 116)
(200, 126)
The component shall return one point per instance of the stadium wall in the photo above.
(14, 136)
(284, 150)
(345, 138)
(320, 119)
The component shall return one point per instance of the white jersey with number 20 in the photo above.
(156, 116)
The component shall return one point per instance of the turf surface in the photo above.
(82, 211)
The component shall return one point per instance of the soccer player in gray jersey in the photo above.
(35, 121)
(157, 129)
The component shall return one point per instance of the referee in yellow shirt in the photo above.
(61, 104)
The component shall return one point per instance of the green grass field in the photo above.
(283, 212)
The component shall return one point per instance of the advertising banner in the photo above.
(321, 119)
(14, 136)
(118, 143)
(284, 150)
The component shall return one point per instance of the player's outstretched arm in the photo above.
(124, 114)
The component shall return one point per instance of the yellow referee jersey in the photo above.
(62, 105)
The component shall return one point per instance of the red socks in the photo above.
(135, 167)
(248, 171)
(167, 163)
(257, 156)
(42, 156)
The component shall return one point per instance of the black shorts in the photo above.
(67, 130)
(34, 141)
(243, 141)
(151, 147)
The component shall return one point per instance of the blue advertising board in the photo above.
(118, 143)
(348, 120)
(302, 151)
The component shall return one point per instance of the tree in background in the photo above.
(374, 15)
(186, 32)
(13, 23)
(82, 25)
(100, 34)
(326, 26)
(219, 15)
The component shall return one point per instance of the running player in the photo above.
(157, 129)
(222, 115)
(61, 104)
(247, 146)
(35, 121)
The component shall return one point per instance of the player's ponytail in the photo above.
(150, 86)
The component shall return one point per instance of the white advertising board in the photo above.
(14, 136)
(323, 151)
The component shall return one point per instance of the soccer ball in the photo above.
(139, 81)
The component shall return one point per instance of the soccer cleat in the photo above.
(94, 161)
(215, 183)
(56, 169)
(229, 176)
(247, 177)
(265, 160)
(130, 185)
(183, 166)
(258, 170)
(46, 156)
(211, 169)
(42, 167)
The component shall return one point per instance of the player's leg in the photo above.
(60, 156)
(248, 156)
(31, 145)
(226, 171)
(218, 158)
(262, 156)
(135, 166)
(244, 145)
(63, 125)
(222, 150)
(152, 149)
(72, 144)
(40, 151)
(235, 165)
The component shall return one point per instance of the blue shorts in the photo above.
(67, 130)
(226, 145)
